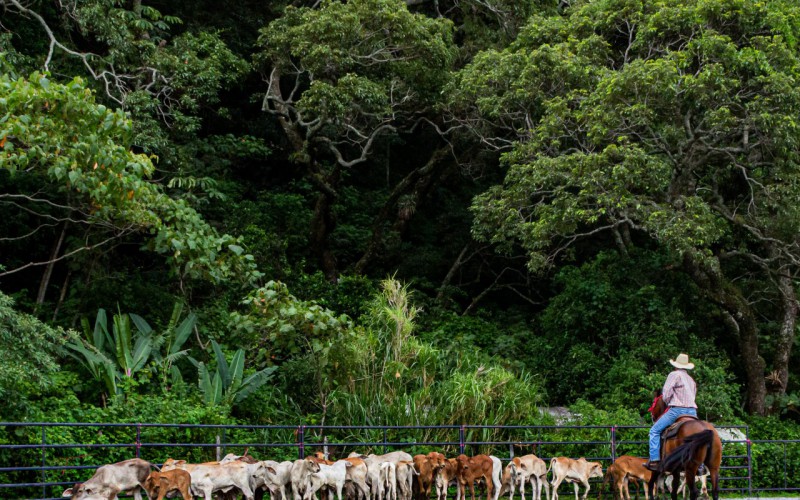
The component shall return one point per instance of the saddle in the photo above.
(672, 431)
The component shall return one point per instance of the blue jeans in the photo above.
(668, 418)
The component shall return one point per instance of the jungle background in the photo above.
(398, 212)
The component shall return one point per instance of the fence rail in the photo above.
(38, 459)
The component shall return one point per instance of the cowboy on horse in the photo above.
(679, 394)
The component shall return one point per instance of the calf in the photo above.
(624, 469)
(405, 479)
(472, 469)
(532, 469)
(210, 477)
(394, 456)
(158, 484)
(425, 468)
(110, 480)
(703, 480)
(272, 476)
(574, 471)
(508, 481)
(447, 474)
(389, 475)
(497, 472)
(357, 475)
(299, 476)
(332, 476)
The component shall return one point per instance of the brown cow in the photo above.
(473, 469)
(426, 467)
(158, 484)
(574, 471)
(447, 473)
(625, 468)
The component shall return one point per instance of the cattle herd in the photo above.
(393, 476)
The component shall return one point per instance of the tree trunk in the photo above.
(783, 346)
(323, 223)
(48, 271)
(742, 322)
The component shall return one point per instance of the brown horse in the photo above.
(697, 442)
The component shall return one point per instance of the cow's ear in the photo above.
(67, 493)
(271, 470)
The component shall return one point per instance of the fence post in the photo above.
(384, 440)
(613, 443)
(461, 439)
(784, 466)
(138, 438)
(301, 439)
(749, 468)
(44, 461)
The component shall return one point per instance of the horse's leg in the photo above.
(690, 484)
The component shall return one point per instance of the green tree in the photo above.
(80, 150)
(344, 77)
(671, 121)
(29, 349)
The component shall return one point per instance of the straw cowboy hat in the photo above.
(682, 361)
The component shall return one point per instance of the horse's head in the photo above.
(658, 407)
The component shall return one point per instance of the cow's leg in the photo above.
(556, 483)
(364, 489)
(544, 484)
(576, 490)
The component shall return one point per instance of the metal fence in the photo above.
(40, 459)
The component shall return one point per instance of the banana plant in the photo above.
(111, 355)
(169, 344)
(227, 385)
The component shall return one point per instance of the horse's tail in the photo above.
(683, 454)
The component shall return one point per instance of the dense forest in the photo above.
(397, 212)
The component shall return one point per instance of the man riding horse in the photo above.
(679, 394)
(690, 442)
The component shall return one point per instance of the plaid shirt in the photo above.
(680, 390)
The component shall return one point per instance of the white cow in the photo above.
(299, 476)
(405, 479)
(508, 481)
(332, 476)
(389, 475)
(497, 473)
(208, 478)
(574, 471)
(532, 469)
(110, 480)
(275, 476)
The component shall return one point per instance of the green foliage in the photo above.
(228, 385)
(29, 351)
(118, 355)
(82, 147)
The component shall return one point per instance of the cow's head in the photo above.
(463, 462)
(83, 492)
(152, 483)
(72, 492)
(170, 464)
(311, 464)
(596, 469)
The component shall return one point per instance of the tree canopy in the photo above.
(398, 212)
